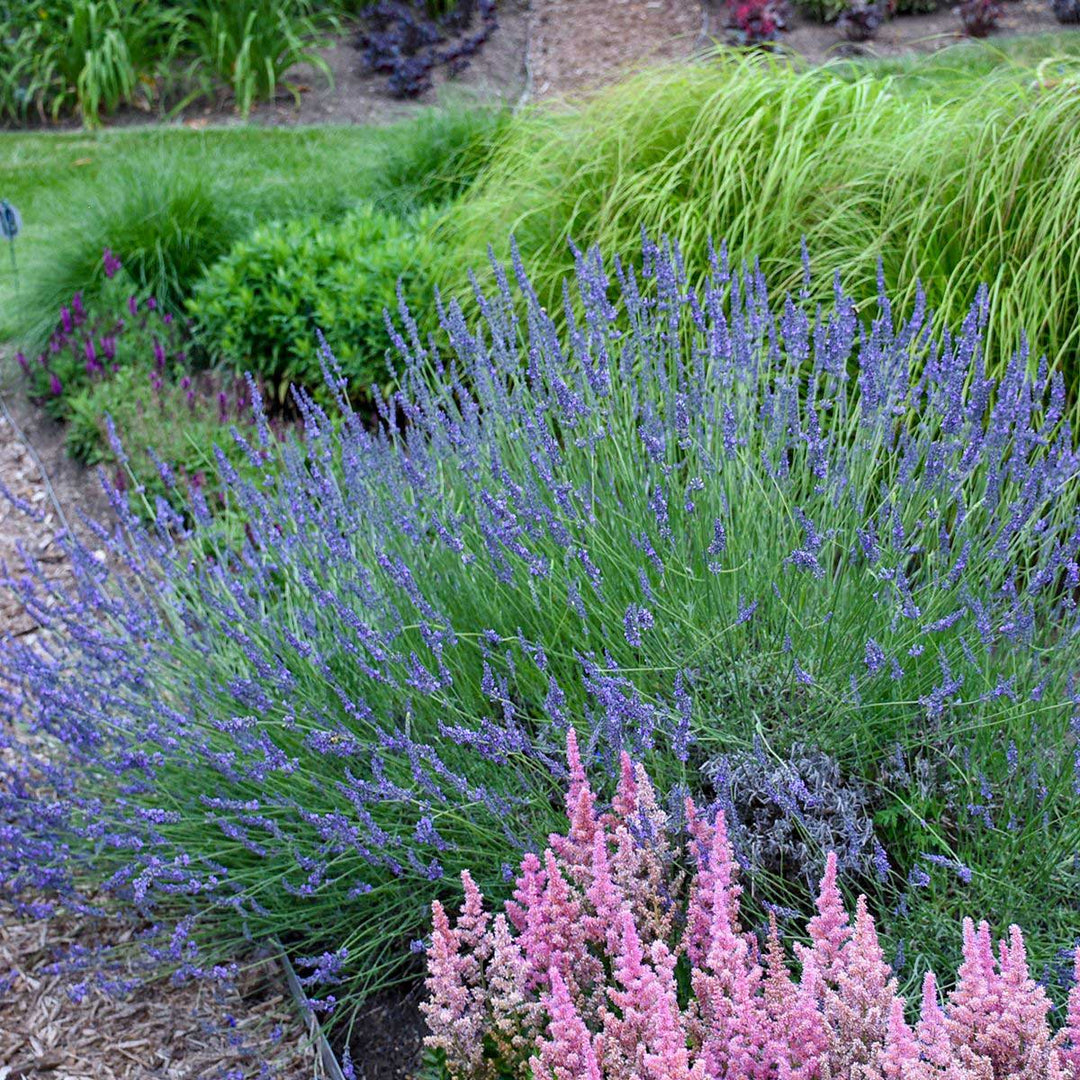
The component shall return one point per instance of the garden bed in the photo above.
(581, 44)
(304, 696)
(496, 75)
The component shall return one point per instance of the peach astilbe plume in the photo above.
(577, 979)
(856, 1009)
(455, 1010)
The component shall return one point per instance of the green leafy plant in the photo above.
(260, 306)
(90, 55)
(250, 46)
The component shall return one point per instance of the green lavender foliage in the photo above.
(716, 517)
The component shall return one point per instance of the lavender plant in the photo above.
(309, 732)
(785, 815)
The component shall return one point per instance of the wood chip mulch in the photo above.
(161, 1030)
(580, 44)
(184, 1032)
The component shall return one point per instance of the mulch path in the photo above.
(166, 1031)
(578, 45)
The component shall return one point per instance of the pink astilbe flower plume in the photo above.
(932, 1030)
(514, 1015)
(625, 803)
(606, 901)
(576, 770)
(726, 988)
(829, 929)
(554, 935)
(528, 891)
(642, 859)
(472, 923)
(797, 1037)
(577, 979)
(857, 1009)
(716, 864)
(900, 1057)
(645, 1035)
(567, 1053)
(575, 849)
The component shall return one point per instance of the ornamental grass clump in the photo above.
(695, 516)
(623, 954)
(945, 180)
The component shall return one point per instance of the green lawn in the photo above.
(55, 179)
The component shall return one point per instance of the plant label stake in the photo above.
(10, 224)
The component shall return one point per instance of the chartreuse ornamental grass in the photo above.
(693, 523)
(952, 172)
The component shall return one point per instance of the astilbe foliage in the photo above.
(302, 727)
(652, 980)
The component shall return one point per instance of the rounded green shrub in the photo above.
(259, 307)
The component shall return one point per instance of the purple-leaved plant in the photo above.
(306, 727)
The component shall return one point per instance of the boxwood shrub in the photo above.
(259, 306)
